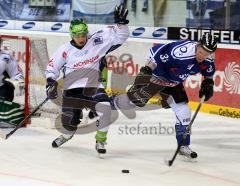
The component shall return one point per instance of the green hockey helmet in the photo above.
(78, 28)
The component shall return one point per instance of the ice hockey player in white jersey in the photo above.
(79, 60)
(11, 84)
(166, 68)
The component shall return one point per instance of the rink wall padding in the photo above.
(217, 109)
(125, 62)
(226, 99)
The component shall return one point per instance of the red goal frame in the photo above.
(27, 68)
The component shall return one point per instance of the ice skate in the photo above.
(101, 138)
(61, 140)
(100, 148)
(187, 152)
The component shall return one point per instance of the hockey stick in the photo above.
(187, 131)
(6, 136)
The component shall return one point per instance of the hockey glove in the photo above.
(141, 96)
(18, 85)
(51, 88)
(143, 76)
(142, 90)
(206, 89)
(142, 79)
(120, 15)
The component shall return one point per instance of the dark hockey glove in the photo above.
(142, 79)
(144, 75)
(51, 88)
(206, 89)
(142, 90)
(120, 15)
(141, 96)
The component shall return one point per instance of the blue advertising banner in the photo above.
(20, 10)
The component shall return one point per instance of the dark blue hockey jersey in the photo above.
(176, 61)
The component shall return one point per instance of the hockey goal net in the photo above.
(32, 56)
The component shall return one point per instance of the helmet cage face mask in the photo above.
(78, 28)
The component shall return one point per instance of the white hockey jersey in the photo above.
(81, 66)
(10, 65)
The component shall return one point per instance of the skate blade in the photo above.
(101, 156)
(188, 159)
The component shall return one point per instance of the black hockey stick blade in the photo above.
(188, 129)
(6, 136)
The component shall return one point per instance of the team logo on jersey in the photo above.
(184, 51)
(97, 40)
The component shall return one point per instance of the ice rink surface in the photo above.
(27, 158)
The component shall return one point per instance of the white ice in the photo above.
(27, 158)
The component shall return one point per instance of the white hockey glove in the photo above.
(19, 86)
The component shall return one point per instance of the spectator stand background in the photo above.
(20, 10)
(213, 14)
(101, 11)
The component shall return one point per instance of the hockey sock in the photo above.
(101, 136)
(180, 129)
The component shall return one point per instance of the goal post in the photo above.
(7, 44)
(32, 56)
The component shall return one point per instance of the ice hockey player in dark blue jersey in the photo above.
(166, 69)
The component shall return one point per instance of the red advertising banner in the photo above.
(226, 77)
